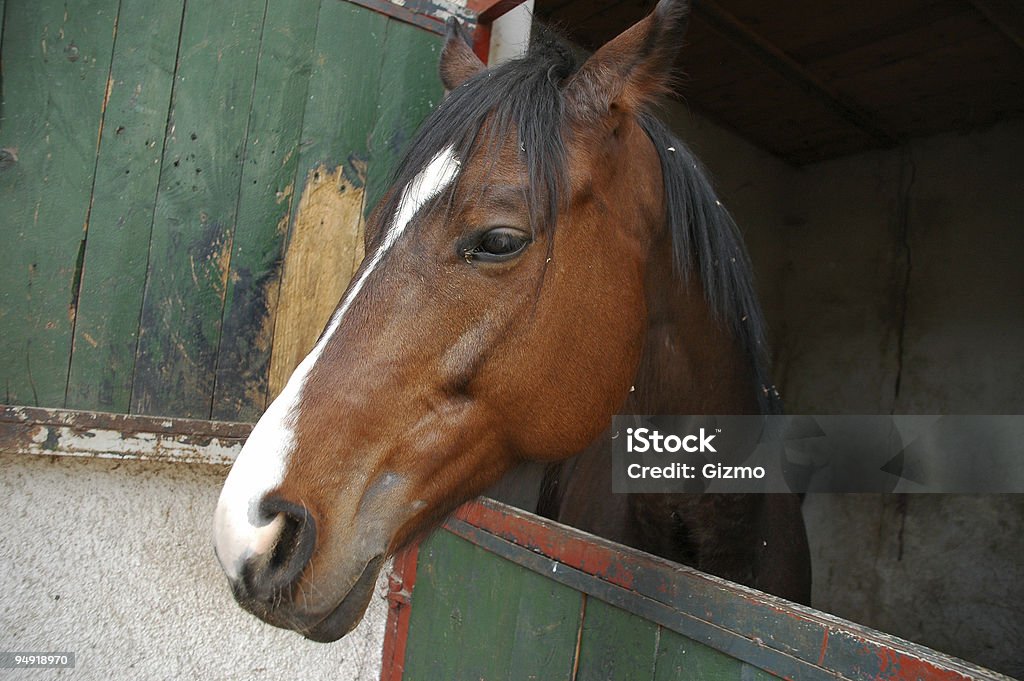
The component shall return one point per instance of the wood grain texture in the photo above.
(56, 59)
(518, 625)
(410, 88)
(683, 659)
(325, 238)
(127, 173)
(436, 626)
(227, 130)
(265, 203)
(616, 645)
(195, 208)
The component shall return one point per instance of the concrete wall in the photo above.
(893, 282)
(114, 562)
(903, 292)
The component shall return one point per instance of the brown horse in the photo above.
(548, 255)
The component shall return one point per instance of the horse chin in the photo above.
(349, 611)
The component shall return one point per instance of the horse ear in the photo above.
(458, 61)
(633, 68)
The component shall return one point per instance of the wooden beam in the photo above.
(743, 37)
(1006, 15)
(63, 432)
(423, 13)
(487, 11)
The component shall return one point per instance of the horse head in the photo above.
(498, 317)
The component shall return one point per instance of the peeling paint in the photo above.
(49, 432)
(110, 444)
(325, 249)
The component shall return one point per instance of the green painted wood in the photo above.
(682, 659)
(324, 231)
(343, 91)
(2, 5)
(490, 588)
(127, 175)
(195, 209)
(616, 645)
(56, 58)
(749, 672)
(547, 624)
(264, 205)
(478, 616)
(436, 622)
(410, 89)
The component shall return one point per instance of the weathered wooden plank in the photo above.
(547, 625)
(683, 659)
(325, 238)
(195, 208)
(767, 633)
(749, 672)
(2, 3)
(490, 590)
(127, 173)
(50, 432)
(264, 207)
(410, 88)
(56, 59)
(519, 625)
(426, 14)
(436, 623)
(616, 645)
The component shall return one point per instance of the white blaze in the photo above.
(261, 464)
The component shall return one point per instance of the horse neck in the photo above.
(692, 362)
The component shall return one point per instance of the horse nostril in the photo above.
(266, 577)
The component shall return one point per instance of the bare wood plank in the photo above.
(325, 239)
(56, 60)
(745, 38)
(264, 207)
(127, 173)
(60, 432)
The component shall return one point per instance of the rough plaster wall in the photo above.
(903, 266)
(903, 292)
(113, 560)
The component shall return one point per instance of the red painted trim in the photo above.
(401, 581)
(482, 41)
(845, 647)
(580, 552)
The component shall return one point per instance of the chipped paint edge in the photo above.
(61, 432)
(426, 14)
(669, 594)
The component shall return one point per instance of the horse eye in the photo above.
(502, 243)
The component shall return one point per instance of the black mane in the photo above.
(523, 99)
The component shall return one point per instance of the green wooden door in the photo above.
(182, 189)
(479, 617)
